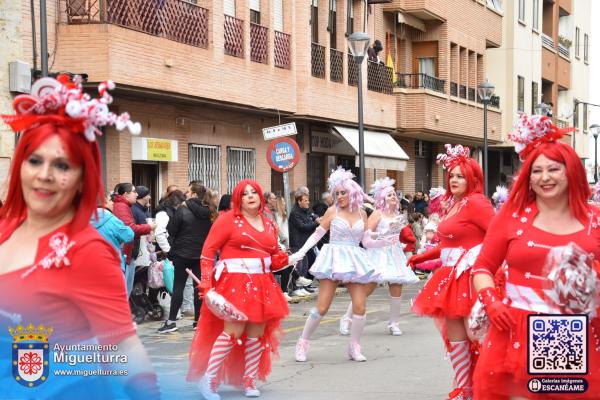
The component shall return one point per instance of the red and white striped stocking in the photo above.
(460, 357)
(252, 356)
(220, 350)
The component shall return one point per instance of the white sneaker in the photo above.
(302, 281)
(287, 297)
(208, 386)
(302, 347)
(394, 329)
(300, 293)
(345, 325)
(250, 389)
(354, 352)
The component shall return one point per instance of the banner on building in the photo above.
(153, 149)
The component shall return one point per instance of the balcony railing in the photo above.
(563, 50)
(379, 77)
(175, 20)
(259, 43)
(336, 66)
(352, 71)
(547, 41)
(421, 81)
(234, 36)
(317, 60)
(462, 91)
(471, 94)
(282, 51)
(454, 89)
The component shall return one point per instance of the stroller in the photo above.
(141, 305)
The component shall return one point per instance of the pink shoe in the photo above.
(302, 349)
(354, 352)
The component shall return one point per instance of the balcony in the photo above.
(336, 70)
(282, 52)
(175, 20)
(421, 81)
(379, 77)
(547, 41)
(471, 94)
(462, 91)
(454, 89)
(352, 71)
(317, 60)
(564, 50)
(234, 36)
(259, 43)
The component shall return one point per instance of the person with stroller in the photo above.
(188, 228)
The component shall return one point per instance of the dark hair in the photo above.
(299, 196)
(123, 188)
(225, 202)
(174, 199)
(207, 202)
(197, 182)
(416, 216)
(198, 188)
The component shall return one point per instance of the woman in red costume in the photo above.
(238, 353)
(58, 276)
(547, 207)
(448, 296)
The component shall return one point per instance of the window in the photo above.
(576, 114)
(522, 10)
(536, 14)
(350, 18)
(496, 4)
(204, 165)
(229, 7)
(585, 118)
(241, 164)
(534, 96)
(314, 21)
(585, 47)
(255, 17)
(521, 94)
(576, 42)
(332, 26)
(278, 15)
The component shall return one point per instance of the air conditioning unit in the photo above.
(19, 77)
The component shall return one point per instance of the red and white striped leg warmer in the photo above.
(220, 350)
(253, 353)
(460, 357)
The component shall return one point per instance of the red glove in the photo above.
(497, 311)
(414, 260)
(206, 280)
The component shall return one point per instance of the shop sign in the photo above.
(153, 149)
(283, 154)
(278, 131)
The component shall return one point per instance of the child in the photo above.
(429, 241)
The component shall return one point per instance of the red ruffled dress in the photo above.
(243, 277)
(502, 369)
(450, 293)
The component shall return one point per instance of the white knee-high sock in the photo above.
(312, 322)
(358, 325)
(219, 352)
(253, 354)
(460, 357)
(348, 314)
(395, 303)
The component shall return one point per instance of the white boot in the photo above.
(208, 386)
(302, 349)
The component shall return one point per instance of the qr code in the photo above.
(557, 344)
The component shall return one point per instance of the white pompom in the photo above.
(120, 124)
(134, 127)
(74, 109)
(90, 133)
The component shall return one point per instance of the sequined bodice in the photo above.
(391, 226)
(340, 232)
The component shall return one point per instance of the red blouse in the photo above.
(525, 247)
(236, 238)
(80, 298)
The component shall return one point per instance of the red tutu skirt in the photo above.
(260, 298)
(501, 371)
(445, 296)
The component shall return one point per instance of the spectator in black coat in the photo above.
(301, 224)
(188, 229)
(419, 203)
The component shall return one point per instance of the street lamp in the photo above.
(358, 43)
(595, 129)
(486, 91)
(541, 108)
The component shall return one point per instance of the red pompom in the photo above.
(279, 261)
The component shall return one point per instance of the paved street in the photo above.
(411, 366)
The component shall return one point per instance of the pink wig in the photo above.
(340, 178)
(382, 188)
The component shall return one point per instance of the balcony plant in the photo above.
(564, 41)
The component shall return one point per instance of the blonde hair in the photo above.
(280, 207)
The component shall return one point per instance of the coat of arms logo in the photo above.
(30, 354)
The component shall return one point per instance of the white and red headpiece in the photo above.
(63, 103)
(453, 155)
(530, 132)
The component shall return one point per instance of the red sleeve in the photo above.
(407, 235)
(495, 245)
(217, 236)
(480, 211)
(96, 285)
(123, 212)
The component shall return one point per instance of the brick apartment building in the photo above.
(205, 76)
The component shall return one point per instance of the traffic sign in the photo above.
(283, 154)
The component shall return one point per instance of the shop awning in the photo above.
(381, 150)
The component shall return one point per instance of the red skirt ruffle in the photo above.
(501, 371)
(260, 298)
(444, 296)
